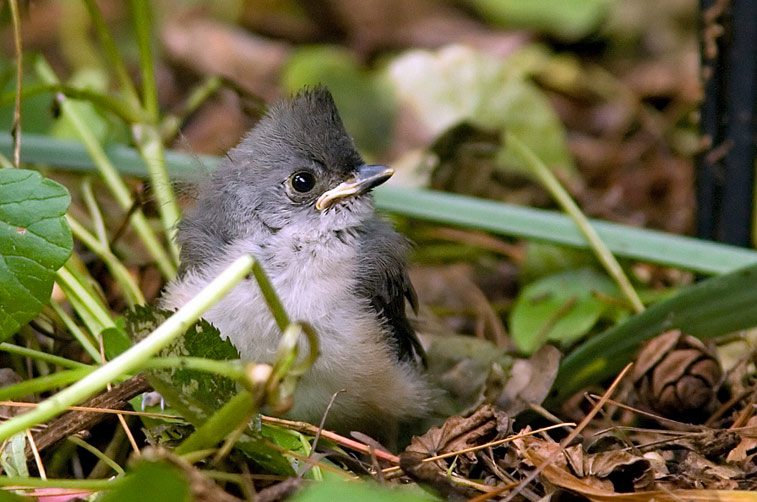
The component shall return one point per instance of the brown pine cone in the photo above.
(677, 376)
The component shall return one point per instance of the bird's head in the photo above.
(299, 166)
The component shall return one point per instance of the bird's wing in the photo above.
(384, 282)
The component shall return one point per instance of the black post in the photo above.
(726, 169)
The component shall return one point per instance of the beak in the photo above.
(366, 178)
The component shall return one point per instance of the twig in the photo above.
(37, 459)
(16, 128)
(75, 421)
(341, 440)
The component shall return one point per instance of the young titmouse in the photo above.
(296, 194)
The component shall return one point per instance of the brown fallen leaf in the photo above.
(555, 473)
(457, 433)
(747, 447)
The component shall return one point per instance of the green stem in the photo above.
(219, 424)
(132, 293)
(550, 182)
(142, 22)
(115, 60)
(136, 356)
(150, 146)
(271, 298)
(94, 211)
(83, 484)
(97, 453)
(83, 339)
(95, 313)
(16, 127)
(229, 369)
(171, 124)
(43, 383)
(111, 178)
(41, 356)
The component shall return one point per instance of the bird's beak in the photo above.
(366, 177)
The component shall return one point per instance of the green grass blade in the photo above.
(711, 308)
(444, 208)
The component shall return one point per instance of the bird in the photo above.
(296, 194)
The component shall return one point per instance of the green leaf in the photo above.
(151, 482)
(338, 489)
(35, 241)
(544, 259)
(497, 97)
(13, 457)
(567, 19)
(714, 307)
(560, 308)
(366, 107)
(527, 113)
(115, 341)
(196, 394)
(105, 127)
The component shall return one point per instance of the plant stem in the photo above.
(85, 300)
(16, 127)
(219, 424)
(142, 22)
(150, 146)
(132, 293)
(94, 211)
(115, 60)
(83, 484)
(136, 356)
(97, 453)
(75, 331)
(41, 356)
(271, 298)
(550, 182)
(43, 383)
(111, 178)
(227, 368)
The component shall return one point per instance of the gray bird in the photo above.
(295, 194)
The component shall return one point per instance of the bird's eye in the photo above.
(302, 181)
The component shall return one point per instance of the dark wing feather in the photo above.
(383, 280)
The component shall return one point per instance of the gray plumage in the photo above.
(339, 267)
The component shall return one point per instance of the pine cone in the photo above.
(677, 375)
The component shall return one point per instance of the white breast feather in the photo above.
(319, 290)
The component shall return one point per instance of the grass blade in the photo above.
(711, 308)
(444, 208)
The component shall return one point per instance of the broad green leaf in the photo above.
(497, 97)
(339, 489)
(151, 482)
(35, 241)
(364, 104)
(560, 308)
(199, 395)
(567, 19)
(115, 341)
(196, 394)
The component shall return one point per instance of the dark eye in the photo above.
(302, 181)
